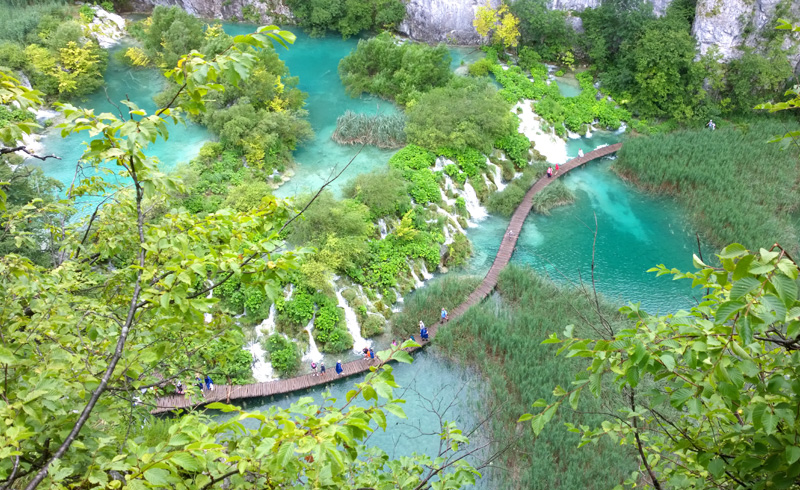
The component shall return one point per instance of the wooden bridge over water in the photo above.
(225, 393)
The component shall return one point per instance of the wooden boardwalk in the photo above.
(225, 393)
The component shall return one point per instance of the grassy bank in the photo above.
(736, 185)
(503, 338)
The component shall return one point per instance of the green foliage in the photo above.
(555, 194)
(388, 259)
(459, 251)
(227, 359)
(412, 157)
(349, 17)
(516, 147)
(517, 86)
(250, 14)
(413, 162)
(399, 72)
(755, 77)
(283, 354)
(723, 375)
(713, 173)
(467, 113)
(480, 68)
(543, 30)
(20, 22)
(506, 201)
(384, 192)
(327, 216)
(381, 130)
(169, 33)
(502, 338)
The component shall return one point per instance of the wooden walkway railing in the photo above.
(226, 393)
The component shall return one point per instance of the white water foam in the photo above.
(476, 211)
(498, 176)
(548, 144)
(313, 354)
(382, 228)
(351, 319)
(262, 370)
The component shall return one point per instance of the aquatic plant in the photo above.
(381, 130)
(721, 178)
(555, 194)
(426, 304)
(502, 338)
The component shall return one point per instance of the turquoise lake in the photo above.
(636, 231)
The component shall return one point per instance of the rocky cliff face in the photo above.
(729, 24)
(266, 11)
(442, 20)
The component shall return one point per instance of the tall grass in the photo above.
(382, 130)
(18, 18)
(426, 304)
(737, 186)
(503, 337)
(554, 195)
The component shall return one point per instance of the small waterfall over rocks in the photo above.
(382, 227)
(476, 211)
(424, 271)
(262, 370)
(108, 28)
(498, 176)
(313, 354)
(351, 319)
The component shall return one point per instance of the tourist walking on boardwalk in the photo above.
(423, 332)
(365, 351)
(371, 354)
(339, 369)
(444, 316)
(179, 387)
(580, 152)
(198, 382)
(549, 172)
(556, 168)
(322, 368)
(209, 383)
(313, 368)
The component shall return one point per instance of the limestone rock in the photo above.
(269, 11)
(729, 24)
(442, 20)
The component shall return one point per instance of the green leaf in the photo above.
(727, 310)
(792, 454)
(679, 397)
(770, 421)
(732, 251)
(395, 410)
(716, 467)
(786, 288)
(525, 417)
(403, 356)
(185, 461)
(668, 360)
(744, 286)
(285, 453)
(157, 476)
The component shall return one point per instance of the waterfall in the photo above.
(382, 227)
(440, 163)
(289, 292)
(106, 27)
(498, 177)
(476, 211)
(622, 128)
(353, 327)
(487, 181)
(313, 354)
(417, 283)
(262, 370)
(424, 271)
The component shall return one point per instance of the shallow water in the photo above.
(568, 86)
(635, 231)
(429, 385)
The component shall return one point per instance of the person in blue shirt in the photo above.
(444, 315)
(423, 333)
(371, 354)
(209, 383)
(322, 368)
(339, 368)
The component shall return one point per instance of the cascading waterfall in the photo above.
(487, 181)
(353, 327)
(498, 176)
(424, 271)
(262, 370)
(622, 128)
(476, 211)
(207, 317)
(313, 354)
(382, 228)
(417, 283)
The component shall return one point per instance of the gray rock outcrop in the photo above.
(268, 11)
(442, 20)
(730, 24)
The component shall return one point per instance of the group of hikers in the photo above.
(318, 369)
(551, 172)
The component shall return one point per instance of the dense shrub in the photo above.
(399, 72)
(542, 29)
(349, 17)
(516, 146)
(468, 113)
(284, 354)
(384, 192)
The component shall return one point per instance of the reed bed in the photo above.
(20, 18)
(736, 185)
(385, 131)
(426, 304)
(502, 337)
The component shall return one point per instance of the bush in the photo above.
(384, 192)
(516, 146)
(480, 68)
(394, 71)
(284, 354)
(459, 251)
(468, 113)
(347, 16)
(372, 325)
